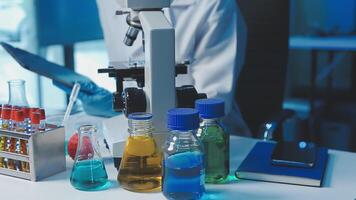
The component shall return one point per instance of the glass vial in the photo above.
(17, 94)
(33, 126)
(2, 138)
(5, 125)
(215, 141)
(88, 173)
(141, 164)
(184, 173)
(42, 125)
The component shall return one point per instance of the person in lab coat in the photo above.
(211, 34)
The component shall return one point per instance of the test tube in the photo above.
(5, 120)
(0, 114)
(12, 119)
(33, 128)
(35, 122)
(1, 158)
(26, 114)
(20, 127)
(11, 141)
(27, 126)
(42, 125)
(19, 121)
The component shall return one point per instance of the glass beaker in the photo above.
(141, 167)
(17, 93)
(89, 171)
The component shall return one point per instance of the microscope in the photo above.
(156, 92)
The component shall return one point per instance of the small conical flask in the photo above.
(89, 171)
(141, 164)
(17, 93)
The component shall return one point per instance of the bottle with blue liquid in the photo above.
(88, 173)
(184, 172)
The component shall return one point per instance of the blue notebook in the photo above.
(257, 166)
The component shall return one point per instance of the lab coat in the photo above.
(211, 34)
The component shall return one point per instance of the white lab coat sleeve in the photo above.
(113, 29)
(214, 69)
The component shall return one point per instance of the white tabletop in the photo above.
(334, 43)
(340, 183)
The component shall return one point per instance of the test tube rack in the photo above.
(45, 156)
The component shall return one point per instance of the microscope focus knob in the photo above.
(134, 100)
(118, 103)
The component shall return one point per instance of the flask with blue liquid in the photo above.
(184, 173)
(88, 173)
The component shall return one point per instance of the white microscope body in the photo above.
(159, 48)
(159, 70)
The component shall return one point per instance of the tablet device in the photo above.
(43, 67)
(294, 154)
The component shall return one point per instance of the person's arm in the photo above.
(219, 52)
(111, 25)
(95, 100)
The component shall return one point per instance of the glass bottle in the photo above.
(214, 139)
(88, 173)
(17, 94)
(183, 174)
(141, 164)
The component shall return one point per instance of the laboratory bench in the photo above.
(339, 183)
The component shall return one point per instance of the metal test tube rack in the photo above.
(46, 155)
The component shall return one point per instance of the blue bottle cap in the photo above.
(140, 116)
(183, 119)
(210, 108)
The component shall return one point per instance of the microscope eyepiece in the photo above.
(131, 35)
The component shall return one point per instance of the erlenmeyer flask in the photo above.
(17, 93)
(141, 164)
(89, 171)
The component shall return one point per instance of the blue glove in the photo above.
(95, 100)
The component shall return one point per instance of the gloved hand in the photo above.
(95, 100)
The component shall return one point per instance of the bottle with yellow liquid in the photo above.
(141, 167)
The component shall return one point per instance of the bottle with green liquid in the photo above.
(215, 141)
(88, 173)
